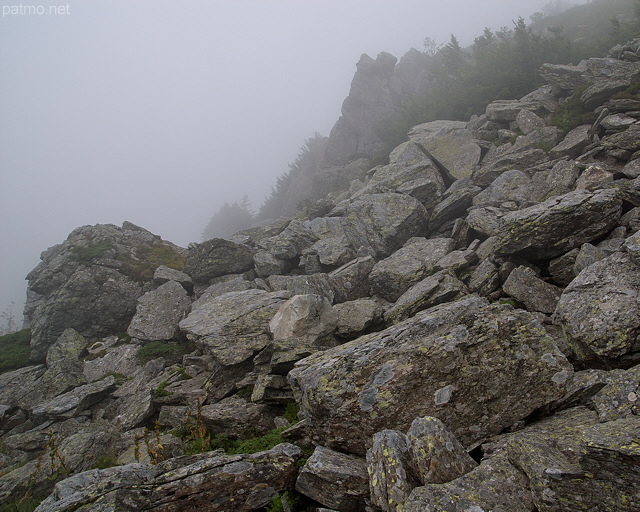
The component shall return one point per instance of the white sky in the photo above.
(158, 112)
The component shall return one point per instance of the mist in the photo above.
(158, 112)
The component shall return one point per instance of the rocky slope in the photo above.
(460, 330)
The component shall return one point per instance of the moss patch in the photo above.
(156, 349)
(142, 263)
(87, 255)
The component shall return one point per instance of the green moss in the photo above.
(257, 444)
(15, 350)
(161, 389)
(182, 372)
(292, 499)
(105, 461)
(86, 255)
(291, 412)
(156, 349)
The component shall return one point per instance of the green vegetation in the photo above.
(229, 219)
(24, 505)
(86, 255)
(155, 349)
(572, 113)
(291, 412)
(293, 499)
(105, 461)
(161, 391)
(141, 265)
(15, 350)
(630, 93)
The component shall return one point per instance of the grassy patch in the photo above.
(156, 349)
(23, 505)
(276, 502)
(15, 350)
(105, 461)
(147, 258)
(572, 113)
(630, 93)
(86, 255)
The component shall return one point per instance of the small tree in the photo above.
(229, 219)
(8, 322)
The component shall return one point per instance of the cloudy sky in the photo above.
(157, 112)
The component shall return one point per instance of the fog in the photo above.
(158, 112)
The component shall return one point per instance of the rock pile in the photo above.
(460, 331)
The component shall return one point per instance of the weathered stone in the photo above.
(72, 403)
(454, 205)
(383, 222)
(159, 312)
(484, 279)
(356, 316)
(352, 279)
(335, 480)
(352, 391)
(485, 220)
(92, 281)
(620, 397)
(112, 360)
(573, 144)
(233, 326)
(164, 274)
(15, 384)
(632, 247)
(594, 177)
(217, 257)
(632, 169)
(599, 310)
(519, 161)
(390, 467)
(617, 122)
(437, 455)
(307, 317)
(236, 417)
(562, 268)
(267, 264)
(559, 224)
(528, 122)
(561, 178)
(451, 143)
(318, 284)
(393, 276)
(513, 186)
(525, 286)
(443, 286)
(209, 482)
(587, 255)
(235, 284)
(457, 260)
(494, 485)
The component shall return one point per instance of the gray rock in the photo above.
(437, 455)
(599, 311)
(573, 144)
(513, 186)
(457, 260)
(451, 143)
(383, 222)
(234, 284)
(15, 384)
(525, 286)
(594, 177)
(529, 122)
(352, 279)
(507, 162)
(454, 205)
(159, 312)
(70, 404)
(562, 268)
(309, 318)
(164, 274)
(562, 177)
(587, 255)
(206, 482)
(494, 485)
(393, 276)
(217, 257)
(632, 247)
(620, 398)
(559, 224)
(335, 480)
(441, 287)
(632, 169)
(233, 326)
(617, 122)
(484, 279)
(236, 417)
(92, 282)
(348, 393)
(391, 473)
(485, 220)
(112, 360)
(356, 316)
(318, 284)
(267, 264)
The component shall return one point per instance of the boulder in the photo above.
(525, 286)
(164, 274)
(233, 326)
(316, 284)
(620, 398)
(599, 311)
(159, 312)
(484, 176)
(217, 257)
(381, 223)
(352, 279)
(208, 482)
(443, 286)
(393, 276)
(309, 318)
(513, 186)
(357, 316)
(334, 479)
(559, 224)
(348, 393)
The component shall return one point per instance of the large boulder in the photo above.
(217, 257)
(600, 313)
(208, 482)
(450, 353)
(559, 224)
(234, 326)
(92, 282)
(159, 312)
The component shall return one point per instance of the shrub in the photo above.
(86, 255)
(15, 350)
(147, 258)
(572, 113)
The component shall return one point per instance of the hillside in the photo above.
(456, 328)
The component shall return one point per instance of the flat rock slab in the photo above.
(478, 368)
(560, 224)
(234, 326)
